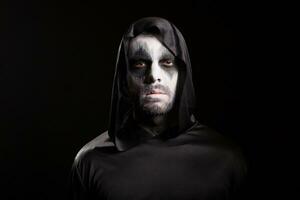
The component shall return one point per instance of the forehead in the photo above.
(149, 44)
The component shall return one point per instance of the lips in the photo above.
(155, 92)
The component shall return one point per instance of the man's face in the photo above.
(152, 76)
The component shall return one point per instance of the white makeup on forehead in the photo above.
(149, 43)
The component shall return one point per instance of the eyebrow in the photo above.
(167, 55)
(140, 53)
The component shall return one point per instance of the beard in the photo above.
(155, 106)
(155, 110)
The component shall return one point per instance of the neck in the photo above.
(153, 124)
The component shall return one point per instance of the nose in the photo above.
(154, 74)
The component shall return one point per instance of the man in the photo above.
(154, 147)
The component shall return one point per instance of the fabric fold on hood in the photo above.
(123, 131)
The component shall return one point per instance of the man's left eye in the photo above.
(167, 63)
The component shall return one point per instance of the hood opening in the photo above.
(122, 130)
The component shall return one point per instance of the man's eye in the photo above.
(139, 64)
(167, 63)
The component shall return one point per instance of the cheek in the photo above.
(171, 79)
(134, 83)
(174, 81)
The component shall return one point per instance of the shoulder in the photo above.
(87, 164)
(211, 137)
(219, 146)
(226, 154)
(207, 134)
(100, 143)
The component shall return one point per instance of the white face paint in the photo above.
(153, 74)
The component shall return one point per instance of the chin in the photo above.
(156, 108)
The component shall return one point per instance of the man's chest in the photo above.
(184, 172)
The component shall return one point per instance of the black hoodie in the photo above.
(188, 161)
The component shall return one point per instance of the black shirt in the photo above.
(197, 164)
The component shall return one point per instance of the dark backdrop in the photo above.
(56, 68)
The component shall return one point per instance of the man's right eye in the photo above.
(139, 64)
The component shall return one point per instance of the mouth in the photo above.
(155, 92)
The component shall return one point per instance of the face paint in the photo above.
(153, 75)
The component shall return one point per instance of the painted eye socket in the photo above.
(167, 63)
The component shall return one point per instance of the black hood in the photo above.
(122, 129)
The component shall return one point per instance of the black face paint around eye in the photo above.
(139, 54)
(139, 61)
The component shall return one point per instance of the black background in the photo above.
(56, 68)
